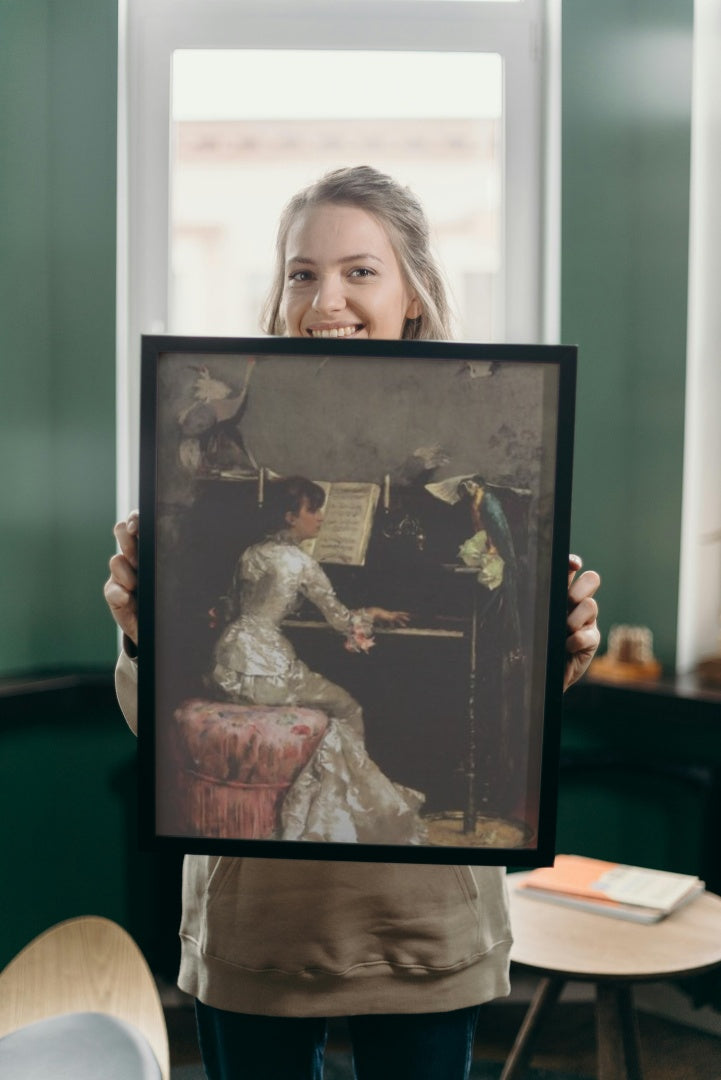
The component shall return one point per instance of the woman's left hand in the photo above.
(391, 618)
(582, 634)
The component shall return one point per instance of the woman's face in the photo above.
(342, 277)
(305, 525)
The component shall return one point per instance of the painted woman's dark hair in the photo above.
(287, 496)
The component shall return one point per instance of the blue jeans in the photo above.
(413, 1046)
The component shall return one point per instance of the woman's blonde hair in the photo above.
(400, 212)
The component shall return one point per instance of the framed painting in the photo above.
(352, 597)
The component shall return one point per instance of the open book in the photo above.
(625, 892)
(348, 511)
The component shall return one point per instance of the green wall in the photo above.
(58, 73)
(67, 771)
(626, 136)
(626, 146)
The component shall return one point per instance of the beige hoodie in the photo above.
(283, 937)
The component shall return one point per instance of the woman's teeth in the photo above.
(337, 331)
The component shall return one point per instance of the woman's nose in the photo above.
(329, 296)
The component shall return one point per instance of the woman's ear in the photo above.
(290, 517)
(415, 309)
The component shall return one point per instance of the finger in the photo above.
(392, 616)
(585, 585)
(123, 608)
(122, 572)
(126, 534)
(127, 543)
(575, 562)
(585, 640)
(584, 613)
(118, 598)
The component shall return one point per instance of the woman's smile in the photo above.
(334, 331)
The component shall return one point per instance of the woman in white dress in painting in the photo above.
(340, 795)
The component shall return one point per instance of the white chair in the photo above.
(80, 1002)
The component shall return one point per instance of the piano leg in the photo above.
(469, 812)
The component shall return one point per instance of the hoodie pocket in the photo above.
(334, 917)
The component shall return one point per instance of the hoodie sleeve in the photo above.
(126, 688)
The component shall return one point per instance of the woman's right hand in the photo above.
(390, 618)
(121, 587)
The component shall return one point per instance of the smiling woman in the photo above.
(353, 260)
(330, 292)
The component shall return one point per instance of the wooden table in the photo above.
(563, 944)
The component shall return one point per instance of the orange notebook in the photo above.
(631, 892)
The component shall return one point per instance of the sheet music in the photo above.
(348, 519)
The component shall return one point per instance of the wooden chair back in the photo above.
(87, 964)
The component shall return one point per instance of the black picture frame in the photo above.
(460, 456)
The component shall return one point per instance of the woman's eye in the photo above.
(300, 276)
(362, 272)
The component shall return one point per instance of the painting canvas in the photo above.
(352, 597)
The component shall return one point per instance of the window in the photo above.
(236, 158)
(227, 107)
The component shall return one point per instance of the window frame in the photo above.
(699, 616)
(526, 34)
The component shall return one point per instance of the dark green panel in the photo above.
(641, 777)
(69, 800)
(67, 790)
(26, 480)
(626, 145)
(627, 816)
(58, 75)
(83, 75)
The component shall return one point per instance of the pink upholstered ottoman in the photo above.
(237, 762)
